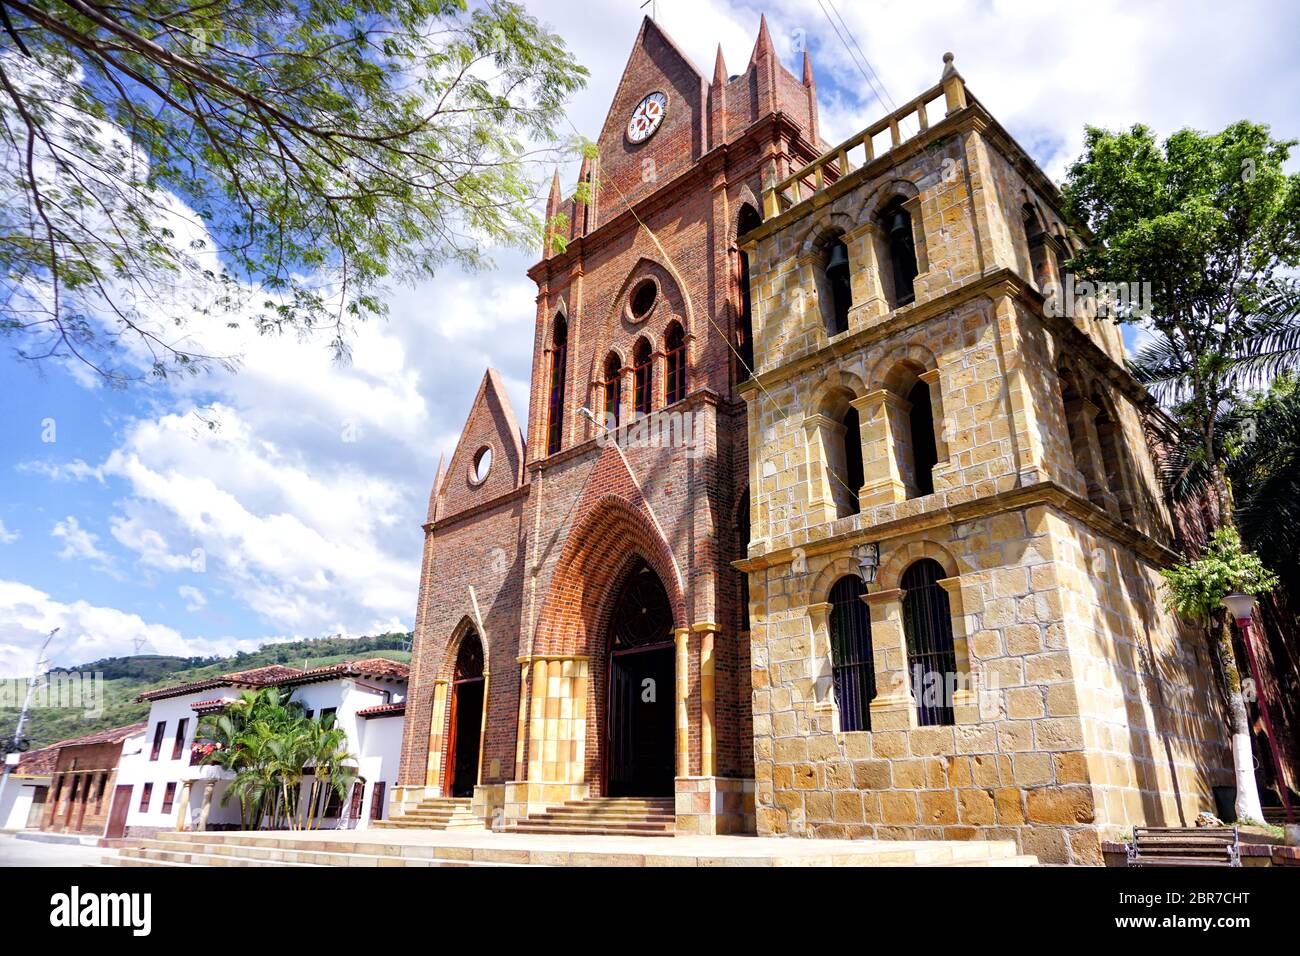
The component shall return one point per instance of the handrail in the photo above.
(951, 86)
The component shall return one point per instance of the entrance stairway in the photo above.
(415, 848)
(190, 848)
(434, 813)
(604, 816)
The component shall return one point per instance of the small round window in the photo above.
(482, 465)
(643, 298)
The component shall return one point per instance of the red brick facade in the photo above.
(533, 557)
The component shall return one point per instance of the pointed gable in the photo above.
(491, 425)
(630, 171)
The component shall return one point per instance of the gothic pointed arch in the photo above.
(671, 297)
(611, 535)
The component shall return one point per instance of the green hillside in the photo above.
(127, 677)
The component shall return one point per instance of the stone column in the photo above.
(1022, 403)
(483, 722)
(820, 664)
(1086, 444)
(893, 707)
(208, 787)
(521, 728)
(869, 301)
(882, 415)
(682, 637)
(183, 812)
(931, 379)
(965, 702)
(433, 772)
(819, 432)
(708, 722)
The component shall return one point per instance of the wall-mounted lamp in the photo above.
(868, 562)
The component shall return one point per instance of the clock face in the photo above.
(646, 118)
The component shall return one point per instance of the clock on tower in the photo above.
(647, 116)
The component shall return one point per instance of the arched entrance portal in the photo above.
(466, 717)
(640, 719)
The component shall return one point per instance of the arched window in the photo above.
(611, 386)
(838, 287)
(469, 658)
(931, 660)
(901, 248)
(852, 669)
(925, 452)
(642, 377)
(748, 220)
(675, 364)
(839, 437)
(1110, 440)
(853, 476)
(1036, 236)
(555, 404)
(1077, 413)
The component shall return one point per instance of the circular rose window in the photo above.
(482, 465)
(643, 299)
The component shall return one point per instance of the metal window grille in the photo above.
(931, 661)
(852, 669)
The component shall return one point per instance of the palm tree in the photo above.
(1201, 373)
(255, 734)
(1264, 474)
(333, 767)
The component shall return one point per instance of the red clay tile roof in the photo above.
(257, 677)
(41, 763)
(215, 703)
(367, 667)
(270, 674)
(383, 710)
(38, 763)
(278, 674)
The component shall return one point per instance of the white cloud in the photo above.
(7, 536)
(303, 499)
(78, 543)
(86, 632)
(194, 598)
(307, 547)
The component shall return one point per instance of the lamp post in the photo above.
(1242, 608)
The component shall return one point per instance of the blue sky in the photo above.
(285, 501)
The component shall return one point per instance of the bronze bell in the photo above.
(838, 261)
(900, 225)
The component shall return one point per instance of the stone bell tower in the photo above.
(956, 616)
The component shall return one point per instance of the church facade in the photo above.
(828, 521)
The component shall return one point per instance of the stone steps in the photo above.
(192, 850)
(405, 849)
(434, 813)
(607, 831)
(603, 816)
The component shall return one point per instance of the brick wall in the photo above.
(571, 523)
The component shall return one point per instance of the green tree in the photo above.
(332, 766)
(1264, 473)
(1212, 223)
(1195, 590)
(323, 147)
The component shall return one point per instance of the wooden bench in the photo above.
(1184, 846)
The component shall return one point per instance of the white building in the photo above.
(170, 786)
(23, 796)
